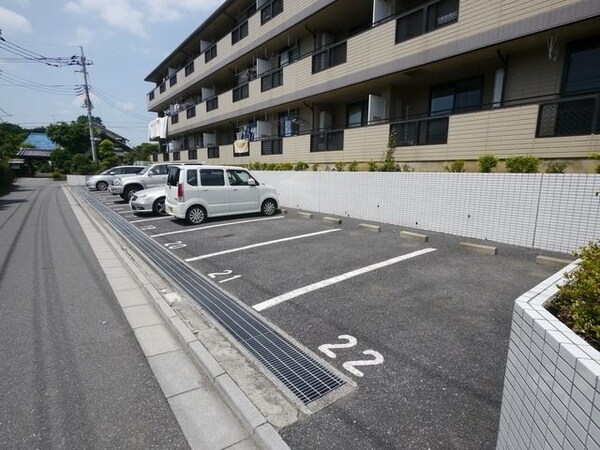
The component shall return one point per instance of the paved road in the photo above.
(72, 372)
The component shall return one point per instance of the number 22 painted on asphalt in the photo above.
(175, 245)
(350, 366)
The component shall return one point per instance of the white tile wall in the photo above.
(552, 380)
(550, 212)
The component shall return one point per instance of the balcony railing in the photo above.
(190, 112)
(569, 117)
(189, 69)
(241, 92)
(269, 10)
(325, 141)
(271, 146)
(210, 53)
(212, 103)
(331, 56)
(430, 131)
(271, 80)
(426, 19)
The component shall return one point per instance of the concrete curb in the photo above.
(305, 215)
(414, 236)
(243, 408)
(478, 248)
(552, 262)
(332, 220)
(369, 227)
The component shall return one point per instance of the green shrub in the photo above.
(596, 156)
(406, 168)
(6, 175)
(300, 166)
(373, 166)
(58, 176)
(556, 167)
(522, 164)
(457, 166)
(81, 165)
(487, 163)
(286, 166)
(315, 167)
(352, 166)
(339, 166)
(578, 300)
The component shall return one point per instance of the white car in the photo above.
(103, 180)
(149, 200)
(195, 192)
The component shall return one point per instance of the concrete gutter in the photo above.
(212, 410)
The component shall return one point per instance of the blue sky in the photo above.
(125, 39)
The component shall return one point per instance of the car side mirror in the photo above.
(111, 173)
(251, 182)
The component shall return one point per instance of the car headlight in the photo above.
(141, 195)
(116, 181)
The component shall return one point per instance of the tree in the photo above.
(107, 155)
(73, 137)
(61, 159)
(140, 152)
(11, 137)
(81, 164)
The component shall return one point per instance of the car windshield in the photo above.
(144, 170)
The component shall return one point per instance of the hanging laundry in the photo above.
(241, 146)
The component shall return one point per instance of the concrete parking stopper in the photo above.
(369, 227)
(305, 215)
(414, 236)
(332, 220)
(551, 261)
(478, 248)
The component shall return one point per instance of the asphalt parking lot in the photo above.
(422, 327)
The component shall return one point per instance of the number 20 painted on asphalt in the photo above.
(175, 245)
(350, 366)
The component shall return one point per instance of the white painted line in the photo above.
(235, 277)
(321, 284)
(187, 230)
(125, 212)
(152, 218)
(261, 244)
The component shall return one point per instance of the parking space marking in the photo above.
(261, 244)
(152, 218)
(187, 230)
(321, 284)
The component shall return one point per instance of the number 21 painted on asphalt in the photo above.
(350, 366)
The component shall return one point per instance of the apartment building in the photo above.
(325, 81)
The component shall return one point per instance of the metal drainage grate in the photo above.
(301, 374)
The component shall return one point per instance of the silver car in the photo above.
(103, 180)
(149, 200)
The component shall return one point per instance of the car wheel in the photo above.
(196, 215)
(268, 207)
(129, 192)
(101, 185)
(158, 207)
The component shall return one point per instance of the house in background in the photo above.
(37, 147)
(120, 143)
(322, 81)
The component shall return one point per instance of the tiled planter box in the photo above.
(551, 397)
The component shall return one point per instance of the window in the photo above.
(191, 112)
(272, 80)
(212, 104)
(174, 119)
(241, 92)
(210, 53)
(173, 80)
(459, 96)
(176, 156)
(239, 32)
(193, 154)
(151, 95)
(192, 177)
(289, 123)
(330, 57)
(420, 132)
(173, 176)
(162, 88)
(271, 147)
(212, 177)
(356, 114)
(238, 177)
(161, 169)
(582, 67)
(165, 156)
(426, 19)
(154, 157)
(327, 141)
(134, 169)
(213, 152)
(189, 69)
(270, 10)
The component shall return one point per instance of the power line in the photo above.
(109, 102)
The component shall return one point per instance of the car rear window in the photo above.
(192, 177)
(173, 177)
(212, 177)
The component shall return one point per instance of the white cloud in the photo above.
(83, 36)
(116, 13)
(13, 22)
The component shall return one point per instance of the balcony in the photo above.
(578, 116)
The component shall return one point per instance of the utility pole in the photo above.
(88, 104)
